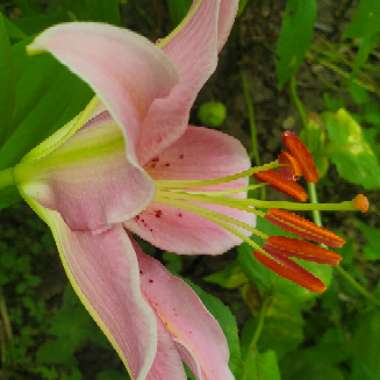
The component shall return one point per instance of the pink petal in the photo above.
(227, 13)
(186, 319)
(104, 272)
(182, 232)
(167, 364)
(193, 47)
(98, 186)
(199, 154)
(124, 69)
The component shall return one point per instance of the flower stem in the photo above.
(251, 118)
(260, 324)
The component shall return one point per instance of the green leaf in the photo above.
(364, 27)
(295, 38)
(47, 97)
(9, 196)
(94, 10)
(350, 152)
(177, 10)
(283, 327)
(7, 81)
(227, 322)
(242, 6)
(231, 277)
(366, 348)
(259, 366)
(371, 250)
(68, 337)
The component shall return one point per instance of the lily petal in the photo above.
(227, 14)
(88, 178)
(104, 272)
(167, 364)
(184, 233)
(186, 318)
(200, 153)
(193, 47)
(126, 70)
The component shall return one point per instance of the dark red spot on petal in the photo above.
(158, 213)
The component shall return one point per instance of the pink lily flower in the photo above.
(130, 161)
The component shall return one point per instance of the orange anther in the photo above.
(303, 156)
(290, 168)
(291, 247)
(300, 226)
(277, 181)
(290, 270)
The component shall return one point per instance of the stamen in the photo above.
(291, 271)
(173, 183)
(217, 193)
(303, 156)
(276, 180)
(213, 216)
(291, 247)
(291, 169)
(305, 228)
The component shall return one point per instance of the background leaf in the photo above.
(350, 152)
(7, 81)
(364, 27)
(177, 10)
(47, 96)
(295, 38)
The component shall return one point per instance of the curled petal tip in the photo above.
(292, 271)
(361, 203)
(302, 154)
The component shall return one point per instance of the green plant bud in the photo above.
(212, 114)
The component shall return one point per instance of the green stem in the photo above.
(260, 324)
(5, 318)
(251, 118)
(297, 102)
(359, 288)
(6, 333)
(6, 178)
(254, 154)
(337, 70)
(314, 199)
